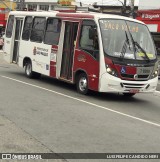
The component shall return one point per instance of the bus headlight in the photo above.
(154, 74)
(155, 71)
(111, 71)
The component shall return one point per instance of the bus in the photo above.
(94, 51)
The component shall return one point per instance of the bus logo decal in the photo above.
(123, 70)
(81, 58)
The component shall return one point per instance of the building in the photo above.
(36, 5)
(152, 19)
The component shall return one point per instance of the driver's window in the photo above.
(89, 38)
(85, 41)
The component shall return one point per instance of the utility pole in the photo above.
(124, 7)
(125, 3)
(132, 14)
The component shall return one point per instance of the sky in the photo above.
(141, 3)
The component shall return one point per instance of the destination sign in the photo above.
(118, 25)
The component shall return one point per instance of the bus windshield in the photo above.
(126, 39)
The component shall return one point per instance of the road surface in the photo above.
(47, 115)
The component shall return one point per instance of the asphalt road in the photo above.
(53, 117)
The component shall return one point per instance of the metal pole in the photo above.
(125, 2)
(124, 8)
(132, 8)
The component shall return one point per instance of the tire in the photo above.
(28, 71)
(129, 94)
(82, 83)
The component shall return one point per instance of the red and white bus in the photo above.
(95, 51)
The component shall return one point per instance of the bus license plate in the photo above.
(134, 91)
(144, 70)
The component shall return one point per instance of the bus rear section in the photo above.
(100, 52)
(29, 42)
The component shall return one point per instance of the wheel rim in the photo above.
(83, 84)
(28, 69)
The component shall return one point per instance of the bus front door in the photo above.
(18, 29)
(70, 35)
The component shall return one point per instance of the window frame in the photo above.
(27, 28)
(44, 7)
(89, 51)
(9, 29)
(52, 31)
(32, 7)
(33, 29)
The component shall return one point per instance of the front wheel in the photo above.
(129, 94)
(82, 84)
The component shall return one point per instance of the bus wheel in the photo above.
(128, 94)
(82, 83)
(28, 70)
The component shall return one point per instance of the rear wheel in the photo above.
(28, 71)
(129, 94)
(82, 83)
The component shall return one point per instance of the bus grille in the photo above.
(131, 76)
(134, 86)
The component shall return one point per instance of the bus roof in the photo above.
(76, 15)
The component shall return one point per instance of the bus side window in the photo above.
(52, 33)
(89, 38)
(27, 28)
(10, 26)
(38, 28)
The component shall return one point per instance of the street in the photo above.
(47, 115)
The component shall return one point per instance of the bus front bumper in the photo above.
(109, 83)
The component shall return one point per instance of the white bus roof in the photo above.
(74, 14)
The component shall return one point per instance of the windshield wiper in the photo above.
(124, 48)
(138, 45)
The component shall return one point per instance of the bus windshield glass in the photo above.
(127, 40)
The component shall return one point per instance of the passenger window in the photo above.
(27, 28)
(37, 33)
(89, 38)
(10, 26)
(53, 28)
